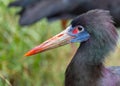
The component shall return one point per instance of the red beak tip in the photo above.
(28, 53)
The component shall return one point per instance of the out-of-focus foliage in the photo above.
(45, 69)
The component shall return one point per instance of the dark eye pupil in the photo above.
(80, 28)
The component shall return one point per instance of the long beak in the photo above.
(54, 42)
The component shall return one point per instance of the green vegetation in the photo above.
(45, 69)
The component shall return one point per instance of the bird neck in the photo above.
(86, 66)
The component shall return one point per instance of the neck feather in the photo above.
(86, 66)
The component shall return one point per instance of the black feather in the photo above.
(34, 10)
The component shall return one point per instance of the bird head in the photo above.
(95, 25)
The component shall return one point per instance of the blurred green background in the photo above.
(45, 69)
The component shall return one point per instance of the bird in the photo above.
(35, 10)
(97, 35)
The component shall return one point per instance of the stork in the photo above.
(35, 10)
(98, 37)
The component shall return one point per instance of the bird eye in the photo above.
(80, 28)
(77, 29)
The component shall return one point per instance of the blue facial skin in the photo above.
(79, 37)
